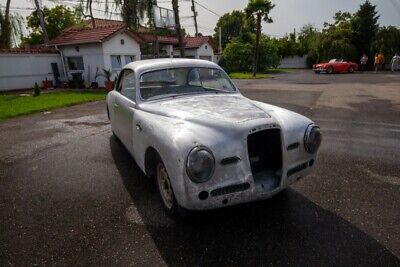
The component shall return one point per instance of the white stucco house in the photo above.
(82, 52)
(87, 51)
(199, 47)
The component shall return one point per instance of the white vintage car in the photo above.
(187, 125)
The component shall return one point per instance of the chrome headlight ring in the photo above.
(200, 164)
(312, 138)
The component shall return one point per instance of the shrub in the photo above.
(36, 90)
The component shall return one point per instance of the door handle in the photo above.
(138, 127)
(115, 105)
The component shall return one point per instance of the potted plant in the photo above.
(47, 84)
(108, 83)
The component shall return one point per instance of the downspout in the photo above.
(62, 62)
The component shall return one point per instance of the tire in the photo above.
(330, 70)
(351, 69)
(116, 137)
(171, 206)
(316, 71)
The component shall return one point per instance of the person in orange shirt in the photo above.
(376, 62)
(381, 59)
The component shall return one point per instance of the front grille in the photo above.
(265, 157)
(297, 169)
(230, 189)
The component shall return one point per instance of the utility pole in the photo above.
(41, 21)
(220, 39)
(195, 18)
(178, 27)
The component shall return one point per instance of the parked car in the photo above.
(207, 146)
(335, 66)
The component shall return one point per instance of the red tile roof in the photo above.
(105, 28)
(196, 42)
(84, 35)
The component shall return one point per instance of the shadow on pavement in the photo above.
(287, 229)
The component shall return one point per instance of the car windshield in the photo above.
(335, 60)
(182, 81)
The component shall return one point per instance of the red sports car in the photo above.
(335, 65)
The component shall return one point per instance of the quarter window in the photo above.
(128, 86)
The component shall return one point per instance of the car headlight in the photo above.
(200, 164)
(312, 138)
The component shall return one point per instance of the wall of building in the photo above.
(205, 52)
(114, 46)
(21, 71)
(295, 62)
(92, 55)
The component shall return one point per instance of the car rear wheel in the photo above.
(329, 70)
(173, 209)
(351, 69)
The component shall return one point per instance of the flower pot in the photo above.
(47, 84)
(109, 85)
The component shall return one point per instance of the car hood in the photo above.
(224, 108)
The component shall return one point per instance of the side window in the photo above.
(127, 85)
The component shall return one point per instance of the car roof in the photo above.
(167, 63)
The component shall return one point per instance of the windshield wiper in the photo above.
(216, 90)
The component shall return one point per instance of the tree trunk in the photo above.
(41, 21)
(178, 27)
(258, 35)
(6, 31)
(91, 14)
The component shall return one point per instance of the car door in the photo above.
(125, 108)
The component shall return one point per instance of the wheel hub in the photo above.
(164, 186)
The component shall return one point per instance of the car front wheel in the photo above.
(329, 70)
(173, 209)
(351, 69)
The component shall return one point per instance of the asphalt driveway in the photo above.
(70, 194)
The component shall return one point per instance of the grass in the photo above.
(13, 105)
(262, 75)
(277, 71)
(248, 75)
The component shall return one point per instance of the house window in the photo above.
(205, 47)
(129, 59)
(116, 62)
(75, 63)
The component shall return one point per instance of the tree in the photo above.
(11, 27)
(365, 26)
(40, 15)
(134, 11)
(387, 41)
(237, 55)
(233, 25)
(175, 7)
(5, 40)
(56, 20)
(259, 9)
(307, 36)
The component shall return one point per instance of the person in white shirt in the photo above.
(363, 62)
(395, 62)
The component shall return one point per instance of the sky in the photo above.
(287, 14)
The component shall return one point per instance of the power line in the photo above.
(206, 8)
